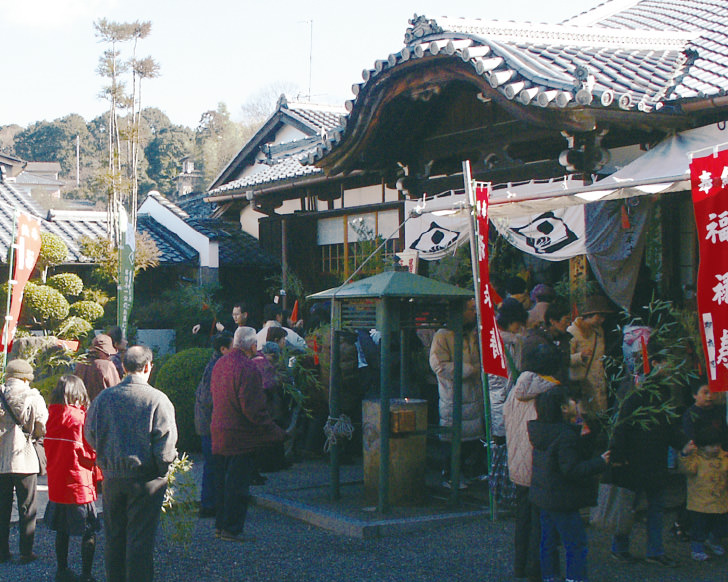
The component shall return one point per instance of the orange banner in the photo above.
(27, 249)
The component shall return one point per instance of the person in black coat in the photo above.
(645, 429)
(553, 332)
(562, 482)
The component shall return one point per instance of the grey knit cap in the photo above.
(19, 369)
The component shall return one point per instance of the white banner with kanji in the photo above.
(709, 180)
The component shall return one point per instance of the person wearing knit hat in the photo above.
(541, 296)
(99, 372)
(23, 412)
(19, 369)
(442, 364)
(587, 350)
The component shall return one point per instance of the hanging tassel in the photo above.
(315, 352)
(645, 358)
(625, 218)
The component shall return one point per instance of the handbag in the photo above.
(37, 443)
(614, 511)
(577, 376)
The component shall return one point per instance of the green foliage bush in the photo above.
(69, 284)
(46, 385)
(88, 310)
(53, 251)
(178, 379)
(180, 309)
(44, 303)
(74, 327)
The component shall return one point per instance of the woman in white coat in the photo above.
(23, 415)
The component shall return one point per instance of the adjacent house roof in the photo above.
(71, 226)
(235, 247)
(279, 162)
(172, 247)
(621, 57)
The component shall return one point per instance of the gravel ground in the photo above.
(290, 550)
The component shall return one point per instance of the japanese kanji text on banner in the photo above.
(494, 361)
(27, 249)
(709, 179)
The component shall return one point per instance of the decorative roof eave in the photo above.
(290, 185)
(342, 149)
(491, 50)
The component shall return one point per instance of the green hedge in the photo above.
(178, 379)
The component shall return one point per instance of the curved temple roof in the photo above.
(624, 56)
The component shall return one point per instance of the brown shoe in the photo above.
(28, 558)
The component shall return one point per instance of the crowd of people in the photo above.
(573, 444)
(563, 441)
(120, 439)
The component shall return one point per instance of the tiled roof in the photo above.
(276, 169)
(708, 72)
(195, 205)
(282, 161)
(242, 249)
(623, 55)
(71, 226)
(321, 117)
(173, 248)
(10, 199)
(235, 247)
(168, 204)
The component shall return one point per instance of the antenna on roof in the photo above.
(310, 58)
(310, 55)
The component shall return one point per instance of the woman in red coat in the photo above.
(71, 484)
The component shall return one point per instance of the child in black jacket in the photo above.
(562, 482)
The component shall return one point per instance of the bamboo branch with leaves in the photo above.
(676, 355)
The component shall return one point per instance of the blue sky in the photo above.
(215, 51)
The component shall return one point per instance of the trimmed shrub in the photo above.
(53, 251)
(88, 310)
(74, 327)
(97, 295)
(69, 284)
(178, 379)
(45, 303)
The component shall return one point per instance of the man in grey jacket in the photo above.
(132, 427)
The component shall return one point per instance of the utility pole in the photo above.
(310, 58)
(78, 161)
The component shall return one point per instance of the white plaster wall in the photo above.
(208, 253)
(249, 220)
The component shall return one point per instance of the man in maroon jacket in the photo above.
(240, 425)
(99, 372)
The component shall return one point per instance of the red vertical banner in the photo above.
(709, 180)
(494, 361)
(27, 249)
